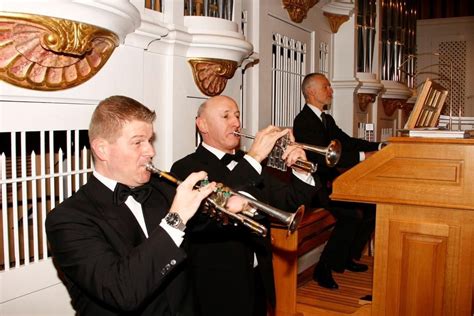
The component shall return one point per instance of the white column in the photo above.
(343, 78)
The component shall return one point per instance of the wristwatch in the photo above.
(174, 220)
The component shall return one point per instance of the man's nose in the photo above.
(149, 150)
(236, 121)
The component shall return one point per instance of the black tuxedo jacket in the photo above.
(308, 128)
(109, 266)
(222, 256)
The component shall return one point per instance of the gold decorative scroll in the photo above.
(298, 9)
(335, 20)
(364, 99)
(46, 53)
(391, 105)
(211, 75)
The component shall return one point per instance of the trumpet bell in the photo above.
(296, 219)
(333, 153)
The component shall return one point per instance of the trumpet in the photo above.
(332, 153)
(218, 199)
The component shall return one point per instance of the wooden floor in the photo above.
(346, 300)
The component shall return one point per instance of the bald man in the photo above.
(231, 267)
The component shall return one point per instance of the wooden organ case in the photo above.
(424, 238)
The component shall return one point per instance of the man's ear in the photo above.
(100, 148)
(201, 125)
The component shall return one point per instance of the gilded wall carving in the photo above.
(298, 9)
(391, 105)
(335, 20)
(211, 75)
(46, 53)
(364, 99)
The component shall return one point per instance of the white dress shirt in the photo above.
(137, 211)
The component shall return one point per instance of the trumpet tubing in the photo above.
(291, 220)
(332, 152)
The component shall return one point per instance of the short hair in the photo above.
(201, 108)
(307, 81)
(113, 112)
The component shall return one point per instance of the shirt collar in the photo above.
(316, 110)
(218, 153)
(109, 183)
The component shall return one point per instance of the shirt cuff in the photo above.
(254, 163)
(361, 156)
(305, 177)
(174, 233)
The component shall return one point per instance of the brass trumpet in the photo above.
(219, 198)
(332, 153)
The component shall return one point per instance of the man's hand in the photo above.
(293, 153)
(236, 204)
(188, 199)
(265, 141)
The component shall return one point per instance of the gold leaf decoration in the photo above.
(211, 75)
(335, 20)
(45, 53)
(364, 99)
(298, 9)
(391, 105)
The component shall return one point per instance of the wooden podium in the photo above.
(424, 238)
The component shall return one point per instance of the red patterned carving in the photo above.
(45, 53)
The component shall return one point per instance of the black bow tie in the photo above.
(324, 119)
(122, 192)
(227, 158)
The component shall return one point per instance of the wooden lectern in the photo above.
(424, 238)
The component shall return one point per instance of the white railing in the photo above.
(288, 71)
(32, 182)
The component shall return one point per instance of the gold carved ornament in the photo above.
(335, 20)
(391, 105)
(298, 9)
(211, 75)
(46, 53)
(364, 99)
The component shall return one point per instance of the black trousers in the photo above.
(355, 223)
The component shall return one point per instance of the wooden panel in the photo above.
(426, 170)
(424, 261)
(417, 265)
(413, 171)
(285, 269)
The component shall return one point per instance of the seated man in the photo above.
(231, 267)
(117, 239)
(355, 221)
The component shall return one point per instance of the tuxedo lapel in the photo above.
(119, 217)
(218, 170)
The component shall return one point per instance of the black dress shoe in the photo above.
(356, 267)
(323, 276)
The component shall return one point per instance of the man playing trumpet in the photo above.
(117, 240)
(230, 266)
